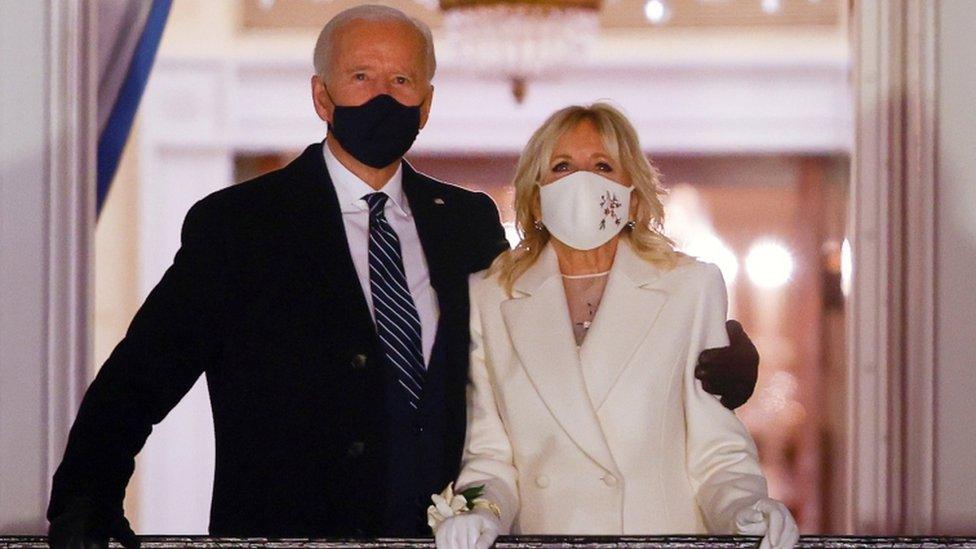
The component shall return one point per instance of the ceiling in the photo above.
(619, 14)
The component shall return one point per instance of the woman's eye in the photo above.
(604, 167)
(561, 167)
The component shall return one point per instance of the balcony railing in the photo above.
(524, 542)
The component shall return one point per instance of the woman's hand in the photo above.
(771, 519)
(476, 529)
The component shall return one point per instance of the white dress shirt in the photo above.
(355, 218)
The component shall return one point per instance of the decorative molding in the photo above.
(891, 316)
(71, 185)
(46, 227)
(70, 181)
(692, 106)
(308, 15)
(918, 229)
(874, 172)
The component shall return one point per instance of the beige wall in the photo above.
(955, 429)
(116, 265)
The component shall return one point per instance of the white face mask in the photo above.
(585, 210)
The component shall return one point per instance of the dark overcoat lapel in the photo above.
(317, 221)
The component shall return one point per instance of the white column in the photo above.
(46, 214)
(913, 232)
(874, 310)
(955, 274)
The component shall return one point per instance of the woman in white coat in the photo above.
(584, 415)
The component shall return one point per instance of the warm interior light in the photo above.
(769, 264)
(657, 11)
(511, 234)
(709, 247)
(846, 267)
(770, 6)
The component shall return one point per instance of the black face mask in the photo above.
(378, 132)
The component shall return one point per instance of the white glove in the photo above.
(771, 519)
(476, 529)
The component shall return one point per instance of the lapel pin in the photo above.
(439, 201)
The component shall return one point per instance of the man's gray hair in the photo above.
(369, 12)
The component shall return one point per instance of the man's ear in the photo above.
(425, 107)
(321, 100)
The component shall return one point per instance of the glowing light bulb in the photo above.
(769, 264)
(657, 11)
(770, 6)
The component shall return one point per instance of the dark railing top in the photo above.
(524, 542)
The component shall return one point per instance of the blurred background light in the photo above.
(657, 11)
(770, 6)
(769, 264)
(846, 267)
(709, 247)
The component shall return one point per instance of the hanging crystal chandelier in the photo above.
(522, 40)
(519, 39)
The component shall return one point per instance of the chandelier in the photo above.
(519, 39)
(522, 40)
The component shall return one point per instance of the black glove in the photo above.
(85, 524)
(730, 372)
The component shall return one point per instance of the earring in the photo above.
(630, 225)
(538, 225)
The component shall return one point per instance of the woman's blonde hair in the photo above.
(620, 139)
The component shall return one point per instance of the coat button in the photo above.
(358, 362)
(610, 480)
(542, 481)
(356, 449)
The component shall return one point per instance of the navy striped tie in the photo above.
(397, 322)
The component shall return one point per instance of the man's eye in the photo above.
(359, 76)
(401, 80)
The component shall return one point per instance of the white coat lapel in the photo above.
(632, 301)
(539, 327)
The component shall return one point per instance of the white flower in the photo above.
(446, 504)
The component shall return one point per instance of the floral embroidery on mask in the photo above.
(609, 203)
